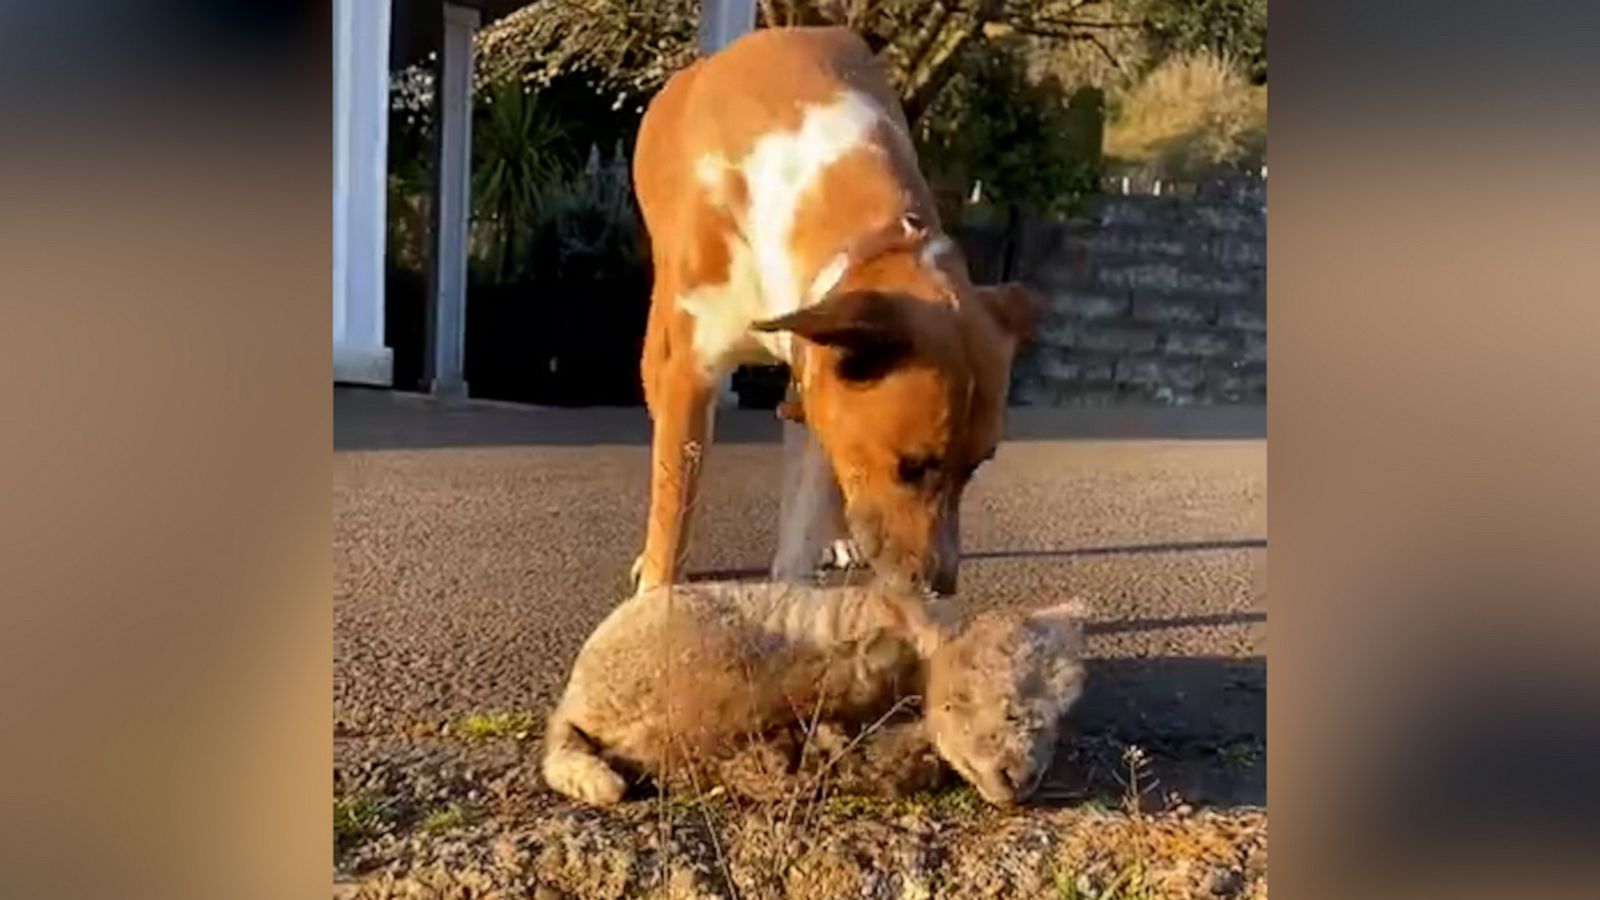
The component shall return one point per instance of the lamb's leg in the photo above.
(811, 523)
(760, 767)
(572, 767)
(893, 760)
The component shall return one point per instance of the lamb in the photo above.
(689, 679)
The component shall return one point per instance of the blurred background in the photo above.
(1109, 152)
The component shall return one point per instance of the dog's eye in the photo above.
(916, 470)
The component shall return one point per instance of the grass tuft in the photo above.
(956, 803)
(1066, 887)
(494, 725)
(445, 819)
(1240, 754)
(357, 817)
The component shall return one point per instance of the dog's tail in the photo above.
(572, 767)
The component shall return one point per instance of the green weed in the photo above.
(357, 817)
(493, 725)
(446, 818)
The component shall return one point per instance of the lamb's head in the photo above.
(996, 694)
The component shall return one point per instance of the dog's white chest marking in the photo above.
(762, 281)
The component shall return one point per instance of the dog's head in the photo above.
(904, 383)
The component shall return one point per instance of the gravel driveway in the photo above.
(475, 546)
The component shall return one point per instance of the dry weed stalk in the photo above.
(1133, 883)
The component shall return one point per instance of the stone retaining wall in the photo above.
(1151, 299)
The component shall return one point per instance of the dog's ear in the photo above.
(872, 329)
(849, 320)
(1015, 306)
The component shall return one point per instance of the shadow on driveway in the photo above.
(754, 574)
(366, 419)
(1201, 723)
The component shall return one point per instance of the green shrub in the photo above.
(588, 224)
(1236, 28)
(1023, 143)
(410, 167)
(1193, 112)
(519, 150)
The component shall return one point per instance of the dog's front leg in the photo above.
(682, 433)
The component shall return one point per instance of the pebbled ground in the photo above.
(475, 546)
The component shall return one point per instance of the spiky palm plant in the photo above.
(519, 149)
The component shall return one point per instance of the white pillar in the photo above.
(720, 22)
(447, 310)
(360, 173)
(723, 20)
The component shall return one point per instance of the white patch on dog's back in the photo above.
(780, 169)
(827, 278)
(711, 171)
(762, 281)
(723, 313)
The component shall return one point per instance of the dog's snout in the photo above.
(911, 547)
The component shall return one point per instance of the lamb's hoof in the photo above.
(586, 779)
(597, 786)
(604, 789)
(843, 554)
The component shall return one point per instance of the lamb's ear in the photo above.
(1070, 608)
(928, 622)
(1059, 630)
(884, 653)
(1063, 622)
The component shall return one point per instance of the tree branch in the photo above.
(1087, 24)
(857, 14)
(924, 41)
(1110, 57)
(1032, 9)
(925, 82)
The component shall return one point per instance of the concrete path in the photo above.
(476, 546)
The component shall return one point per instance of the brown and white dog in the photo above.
(789, 222)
